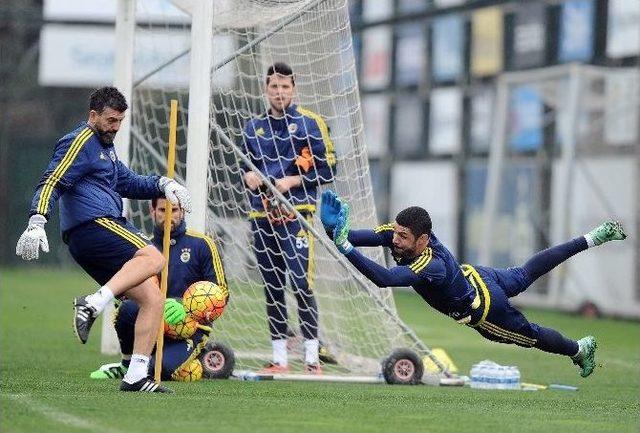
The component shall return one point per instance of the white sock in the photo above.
(280, 352)
(138, 368)
(100, 299)
(590, 242)
(311, 348)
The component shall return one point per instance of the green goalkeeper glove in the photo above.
(174, 311)
(341, 230)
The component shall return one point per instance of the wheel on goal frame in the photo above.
(217, 361)
(402, 367)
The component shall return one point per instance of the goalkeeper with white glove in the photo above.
(476, 296)
(90, 181)
(33, 239)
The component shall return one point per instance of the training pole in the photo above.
(166, 235)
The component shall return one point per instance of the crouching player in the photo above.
(193, 257)
(476, 296)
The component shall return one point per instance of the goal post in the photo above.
(123, 80)
(358, 321)
(563, 153)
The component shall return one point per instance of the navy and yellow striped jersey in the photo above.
(296, 144)
(193, 257)
(435, 274)
(89, 179)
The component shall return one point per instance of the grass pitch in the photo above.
(44, 383)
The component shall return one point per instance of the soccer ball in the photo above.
(181, 330)
(205, 301)
(192, 372)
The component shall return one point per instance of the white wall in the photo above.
(433, 186)
(603, 188)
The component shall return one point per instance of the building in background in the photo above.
(437, 108)
(427, 72)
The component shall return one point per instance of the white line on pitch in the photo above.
(58, 415)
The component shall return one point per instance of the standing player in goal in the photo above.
(291, 147)
(90, 181)
(476, 296)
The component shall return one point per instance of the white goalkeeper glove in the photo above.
(33, 238)
(175, 193)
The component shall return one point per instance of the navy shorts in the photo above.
(102, 246)
(495, 318)
(175, 353)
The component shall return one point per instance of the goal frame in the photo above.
(199, 127)
(568, 166)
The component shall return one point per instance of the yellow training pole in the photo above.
(166, 237)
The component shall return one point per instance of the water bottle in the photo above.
(516, 377)
(475, 376)
(510, 379)
(499, 381)
(491, 376)
(484, 376)
(501, 377)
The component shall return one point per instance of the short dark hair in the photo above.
(280, 68)
(107, 97)
(415, 219)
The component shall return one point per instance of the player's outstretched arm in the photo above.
(68, 164)
(133, 185)
(398, 276)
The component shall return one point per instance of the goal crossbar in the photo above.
(246, 47)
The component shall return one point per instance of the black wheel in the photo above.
(217, 361)
(402, 367)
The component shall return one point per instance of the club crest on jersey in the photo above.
(292, 128)
(260, 131)
(102, 155)
(185, 256)
(112, 155)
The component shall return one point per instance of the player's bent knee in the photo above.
(154, 258)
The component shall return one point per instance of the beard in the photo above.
(399, 252)
(160, 226)
(403, 253)
(106, 137)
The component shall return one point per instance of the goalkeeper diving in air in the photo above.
(476, 296)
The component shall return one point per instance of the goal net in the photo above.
(564, 158)
(357, 321)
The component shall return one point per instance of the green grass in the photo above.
(44, 384)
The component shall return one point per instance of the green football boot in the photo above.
(586, 357)
(109, 371)
(607, 231)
